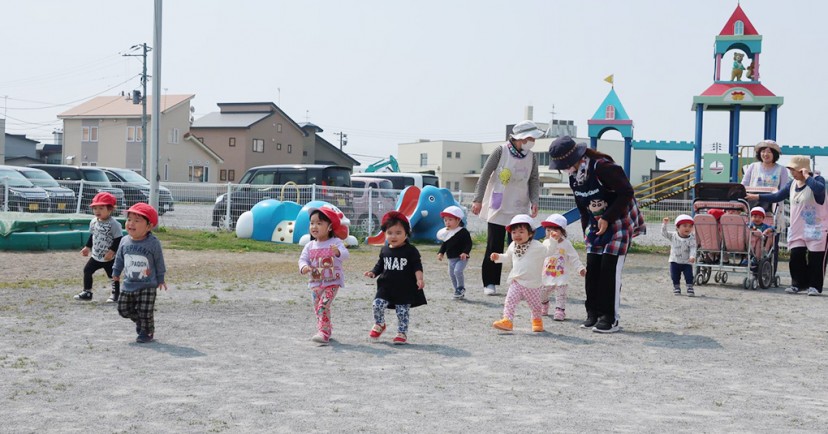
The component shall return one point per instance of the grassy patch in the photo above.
(189, 239)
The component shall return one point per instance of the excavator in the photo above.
(385, 165)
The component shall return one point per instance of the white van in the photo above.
(400, 180)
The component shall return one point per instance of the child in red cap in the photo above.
(682, 252)
(139, 266)
(399, 273)
(104, 237)
(321, 259)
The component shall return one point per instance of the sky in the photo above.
(388, 72)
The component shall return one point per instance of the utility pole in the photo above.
(343, 139)
(142, 98)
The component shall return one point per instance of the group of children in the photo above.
(683, 243)
(135, 263)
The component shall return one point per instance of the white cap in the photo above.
(453, 211)
(683, 218)
(554, 221)
(757, 210)
(522, 218)
(524, 129)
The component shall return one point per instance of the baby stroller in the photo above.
(725, 243)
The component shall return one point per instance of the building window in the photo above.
(610, 115)
(232, 141)
(258, 145)
(135, 134)
(424, 159)
(543, 158)
(304, 153)
(483, 159)
(448, 154)
(278, 146)
(738, 28)
(290, 148)
(456, 185)
(278, 128)
(456, 155)
(197, 173)
(231, 175)
(175, 135)
(222, 175)
(90, 134)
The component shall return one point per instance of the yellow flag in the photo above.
(609, 79)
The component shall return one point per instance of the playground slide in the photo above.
(406, 204)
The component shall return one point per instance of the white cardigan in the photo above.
(526, 269)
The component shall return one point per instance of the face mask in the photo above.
(528, 145)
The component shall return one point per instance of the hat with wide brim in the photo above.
(526, 129)
(564, 153)
(554, 221)
(768, 144)
(799, 162)
(522, 218)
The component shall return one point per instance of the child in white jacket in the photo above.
(682, 252)
(562, 257)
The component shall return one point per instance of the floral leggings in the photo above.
(518, 292)
(323, 296)
(402, 314)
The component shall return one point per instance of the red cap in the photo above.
(331, 214)
(104, 198)
(146, 210)
(394, 214)
(716, 212)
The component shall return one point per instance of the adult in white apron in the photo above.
(808, 230)
(508, 186)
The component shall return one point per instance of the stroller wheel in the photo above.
(746, 283)
(706, 276)
(724, 277)
(717, 277)
(764, 274)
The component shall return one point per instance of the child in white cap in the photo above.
(561, 258)
(757, 221)
(457, 245)
(527, 256)
(682, 252)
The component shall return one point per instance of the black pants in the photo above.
(603, 285)
(494, 244)
(91, 267)
(676, 270)
(806, 268)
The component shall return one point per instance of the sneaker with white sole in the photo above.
(691, 292)
(589, 322)
(490, 290)
(793, 290)
(605, 326)
(320, 339)
(813, 291)
(84, 295)
(459, 293)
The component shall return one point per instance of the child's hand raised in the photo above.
(370, 274)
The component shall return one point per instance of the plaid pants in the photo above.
(139, 306)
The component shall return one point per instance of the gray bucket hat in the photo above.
(564, 153)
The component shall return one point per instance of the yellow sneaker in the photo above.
(503, 324)
(537, 325)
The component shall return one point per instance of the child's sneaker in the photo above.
(544, 308)
(459, 293)
(676, 290)
(113, 297)
(400, 339)
(691, 292)
(537, 325)
(560, 314)
(143, 338)
(376, 331)
(504, 324)
(320, 339)
(84, 295)
(813, 291)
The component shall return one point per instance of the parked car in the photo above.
(137, 188)
(383, 198)
(61, 199)
(23, 196)
(400, 180)
(267, 182)
(85, 181)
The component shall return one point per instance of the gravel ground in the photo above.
(233, 355)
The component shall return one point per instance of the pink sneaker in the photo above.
(560, 314)
(545, 308)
